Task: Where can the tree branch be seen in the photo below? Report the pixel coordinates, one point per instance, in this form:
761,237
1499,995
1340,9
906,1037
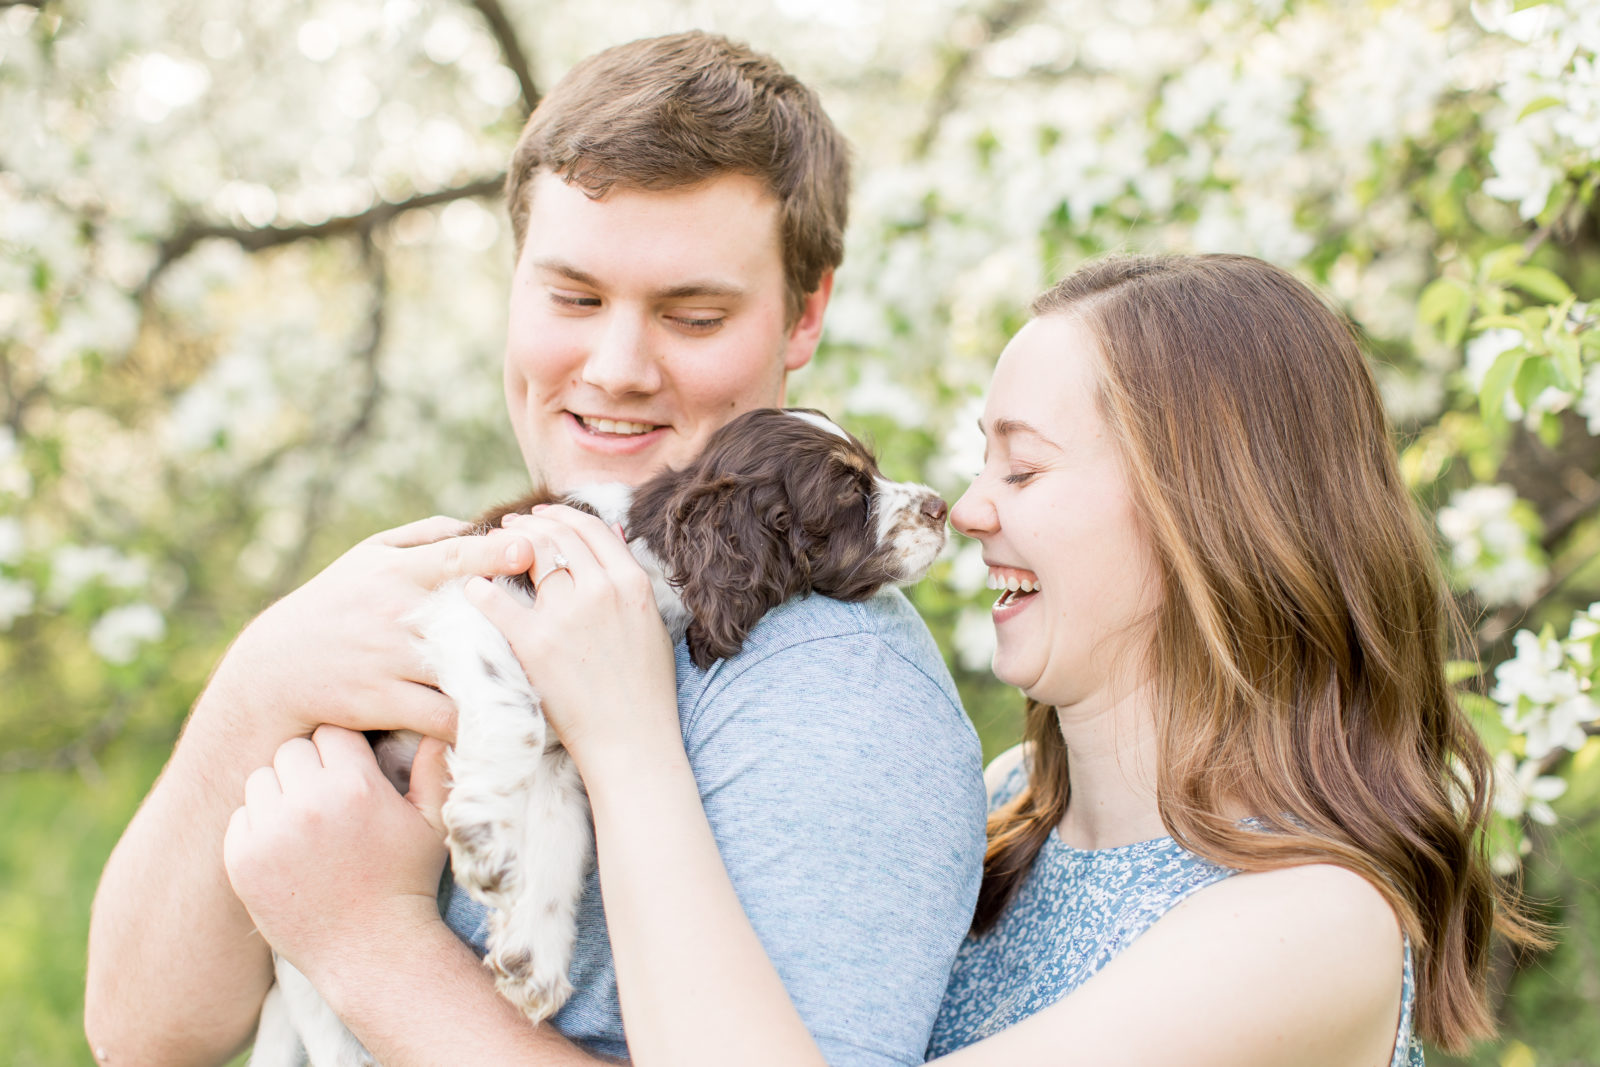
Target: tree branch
1493,630
996,22
258,238
322,487
516,59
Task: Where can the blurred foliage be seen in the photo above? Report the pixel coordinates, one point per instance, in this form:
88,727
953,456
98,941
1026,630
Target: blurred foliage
252,279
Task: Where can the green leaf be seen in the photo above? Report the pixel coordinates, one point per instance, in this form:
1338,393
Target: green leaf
1534,376
1446,303
1500,264
1492,394
1540,283
1565,356
1497,322
1549,429
1459,670
1538,105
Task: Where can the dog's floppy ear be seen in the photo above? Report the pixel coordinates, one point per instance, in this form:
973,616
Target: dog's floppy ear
726,565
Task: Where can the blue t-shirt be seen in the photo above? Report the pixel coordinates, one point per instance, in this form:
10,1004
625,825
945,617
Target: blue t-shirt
843,784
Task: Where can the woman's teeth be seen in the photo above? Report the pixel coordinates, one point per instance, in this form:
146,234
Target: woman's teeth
1013,583
614,426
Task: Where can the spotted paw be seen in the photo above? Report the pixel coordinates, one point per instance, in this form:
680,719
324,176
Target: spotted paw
480,857
538,992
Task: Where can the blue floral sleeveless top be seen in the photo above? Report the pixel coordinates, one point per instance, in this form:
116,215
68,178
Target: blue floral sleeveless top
1073,912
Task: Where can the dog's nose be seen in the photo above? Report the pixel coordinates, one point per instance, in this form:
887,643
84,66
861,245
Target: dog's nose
935,509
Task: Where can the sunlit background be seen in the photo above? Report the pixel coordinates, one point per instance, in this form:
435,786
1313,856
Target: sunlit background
253,268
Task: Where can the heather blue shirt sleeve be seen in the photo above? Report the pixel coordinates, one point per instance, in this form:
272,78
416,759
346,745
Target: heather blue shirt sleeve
843,784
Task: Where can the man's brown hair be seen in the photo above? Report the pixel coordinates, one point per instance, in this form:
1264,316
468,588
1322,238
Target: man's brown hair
668,112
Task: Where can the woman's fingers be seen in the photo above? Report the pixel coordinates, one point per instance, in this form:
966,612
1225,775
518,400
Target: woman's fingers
496,552
558,526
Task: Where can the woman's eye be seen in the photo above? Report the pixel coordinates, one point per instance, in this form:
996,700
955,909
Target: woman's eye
1019,477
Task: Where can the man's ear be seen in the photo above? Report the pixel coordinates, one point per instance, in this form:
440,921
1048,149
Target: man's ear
807,329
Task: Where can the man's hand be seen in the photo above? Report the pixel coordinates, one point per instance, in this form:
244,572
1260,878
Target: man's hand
176,973
341,648
328,858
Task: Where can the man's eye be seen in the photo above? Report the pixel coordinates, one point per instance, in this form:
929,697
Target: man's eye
573,300
697,322
1019,477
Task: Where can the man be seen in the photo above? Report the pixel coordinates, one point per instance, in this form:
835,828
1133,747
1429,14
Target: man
679,207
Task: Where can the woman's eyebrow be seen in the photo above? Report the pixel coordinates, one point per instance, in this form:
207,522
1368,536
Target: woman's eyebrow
1012,427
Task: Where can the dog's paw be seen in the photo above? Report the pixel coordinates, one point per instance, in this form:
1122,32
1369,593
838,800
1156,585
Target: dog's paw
481,856
538,991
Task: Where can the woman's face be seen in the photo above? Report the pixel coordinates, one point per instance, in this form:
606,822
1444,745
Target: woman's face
1053,511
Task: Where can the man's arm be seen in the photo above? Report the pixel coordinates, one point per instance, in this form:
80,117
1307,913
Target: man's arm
339,873
176,972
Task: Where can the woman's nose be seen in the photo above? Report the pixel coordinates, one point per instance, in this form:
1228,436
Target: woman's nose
973,514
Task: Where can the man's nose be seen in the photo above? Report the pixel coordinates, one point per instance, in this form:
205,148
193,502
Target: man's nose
621,360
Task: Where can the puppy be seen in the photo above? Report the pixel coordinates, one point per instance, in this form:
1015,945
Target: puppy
779,504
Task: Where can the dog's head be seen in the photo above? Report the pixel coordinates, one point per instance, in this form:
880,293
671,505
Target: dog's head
778,504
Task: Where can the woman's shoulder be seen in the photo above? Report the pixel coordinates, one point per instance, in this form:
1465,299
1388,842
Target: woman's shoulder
1006,775
1325,899
1315,919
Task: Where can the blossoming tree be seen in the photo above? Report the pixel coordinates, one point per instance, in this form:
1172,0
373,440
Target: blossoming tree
252,277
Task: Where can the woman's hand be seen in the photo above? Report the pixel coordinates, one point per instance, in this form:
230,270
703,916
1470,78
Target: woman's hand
340,649
593,643
328,859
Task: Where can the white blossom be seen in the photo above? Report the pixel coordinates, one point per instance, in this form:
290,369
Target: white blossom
1549,120
16,600
12,539
1543,696
1519,789
1589,401
974,639
74,566
1491,548
119,634
1484,349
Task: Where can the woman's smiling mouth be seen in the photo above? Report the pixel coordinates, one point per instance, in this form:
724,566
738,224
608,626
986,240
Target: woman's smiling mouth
1013,584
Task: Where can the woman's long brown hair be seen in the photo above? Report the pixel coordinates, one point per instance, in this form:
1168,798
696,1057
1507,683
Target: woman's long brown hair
1299,647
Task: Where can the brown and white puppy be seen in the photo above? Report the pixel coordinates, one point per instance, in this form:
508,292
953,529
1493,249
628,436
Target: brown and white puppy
779,504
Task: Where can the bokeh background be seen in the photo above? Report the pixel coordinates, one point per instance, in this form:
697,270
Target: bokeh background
253,265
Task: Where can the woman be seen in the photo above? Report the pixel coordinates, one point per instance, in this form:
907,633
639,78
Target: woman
1245,827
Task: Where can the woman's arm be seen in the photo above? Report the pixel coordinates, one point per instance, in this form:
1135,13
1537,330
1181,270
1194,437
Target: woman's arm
1300,965
695,984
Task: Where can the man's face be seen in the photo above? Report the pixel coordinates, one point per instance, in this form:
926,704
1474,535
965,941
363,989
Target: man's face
644,320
